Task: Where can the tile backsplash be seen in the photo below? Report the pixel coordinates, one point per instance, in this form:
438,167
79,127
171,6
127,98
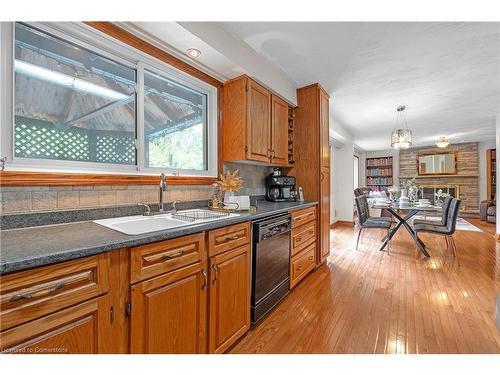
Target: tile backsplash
50,198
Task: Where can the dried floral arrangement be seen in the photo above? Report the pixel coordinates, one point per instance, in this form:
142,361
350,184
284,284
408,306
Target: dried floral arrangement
230,181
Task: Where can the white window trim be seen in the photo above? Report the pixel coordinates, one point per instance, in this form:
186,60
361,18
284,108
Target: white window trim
96,41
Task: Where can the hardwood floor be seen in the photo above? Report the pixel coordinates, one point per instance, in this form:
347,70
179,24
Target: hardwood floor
368,301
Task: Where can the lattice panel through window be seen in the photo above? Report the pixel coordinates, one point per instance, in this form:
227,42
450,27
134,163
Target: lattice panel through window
115,150
46,142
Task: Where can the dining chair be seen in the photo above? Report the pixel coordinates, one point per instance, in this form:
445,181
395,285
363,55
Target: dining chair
446,230
365,221
444,215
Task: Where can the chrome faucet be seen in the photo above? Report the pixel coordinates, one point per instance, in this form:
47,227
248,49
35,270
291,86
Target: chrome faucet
163,188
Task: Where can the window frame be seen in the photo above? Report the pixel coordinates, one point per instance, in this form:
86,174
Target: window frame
98,42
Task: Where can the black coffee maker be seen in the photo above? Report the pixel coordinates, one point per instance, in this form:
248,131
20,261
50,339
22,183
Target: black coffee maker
280,188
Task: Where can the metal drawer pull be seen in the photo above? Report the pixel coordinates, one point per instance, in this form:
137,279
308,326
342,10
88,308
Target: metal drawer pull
204,279
311,257
38,293
171,256
214,267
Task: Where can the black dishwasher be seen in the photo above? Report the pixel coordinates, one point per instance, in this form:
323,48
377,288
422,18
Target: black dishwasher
270,264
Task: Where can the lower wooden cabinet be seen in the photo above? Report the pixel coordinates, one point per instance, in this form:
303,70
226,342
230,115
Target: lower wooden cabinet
324,222
100,304
229,313
169,312
80,329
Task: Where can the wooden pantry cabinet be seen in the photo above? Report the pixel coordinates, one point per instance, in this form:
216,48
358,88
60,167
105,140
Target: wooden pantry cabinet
312,164
255,123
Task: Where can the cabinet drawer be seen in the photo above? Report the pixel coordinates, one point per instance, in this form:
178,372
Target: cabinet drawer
31,294
79,329
302,264
227,238
301,217
303,236
156,258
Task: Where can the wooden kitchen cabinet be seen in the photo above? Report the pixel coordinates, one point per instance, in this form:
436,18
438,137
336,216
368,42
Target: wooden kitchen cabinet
312,168
80,329
229,298
255,123
31,294
324,128
304,242
169,312
324,226
279,131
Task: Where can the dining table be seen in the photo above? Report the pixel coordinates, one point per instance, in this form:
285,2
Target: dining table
403,214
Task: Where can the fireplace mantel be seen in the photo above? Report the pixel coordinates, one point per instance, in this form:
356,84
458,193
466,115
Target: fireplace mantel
438,176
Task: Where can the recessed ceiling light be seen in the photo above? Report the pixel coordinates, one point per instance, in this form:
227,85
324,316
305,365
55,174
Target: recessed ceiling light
193,52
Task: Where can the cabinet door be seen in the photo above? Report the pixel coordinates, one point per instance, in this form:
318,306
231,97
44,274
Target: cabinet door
229,298
279,131
169,312
80,329
324,214
258,123
324,128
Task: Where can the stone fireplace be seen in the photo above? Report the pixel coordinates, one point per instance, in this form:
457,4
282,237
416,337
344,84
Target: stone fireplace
437,193
463,185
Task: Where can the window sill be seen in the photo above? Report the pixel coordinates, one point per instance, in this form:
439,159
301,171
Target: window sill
24,178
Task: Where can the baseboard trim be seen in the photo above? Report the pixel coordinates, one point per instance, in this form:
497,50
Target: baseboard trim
342,223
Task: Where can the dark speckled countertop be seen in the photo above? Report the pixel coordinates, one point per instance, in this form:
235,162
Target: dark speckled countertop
38,246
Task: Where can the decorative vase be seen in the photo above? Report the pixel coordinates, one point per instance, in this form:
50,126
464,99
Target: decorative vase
227,196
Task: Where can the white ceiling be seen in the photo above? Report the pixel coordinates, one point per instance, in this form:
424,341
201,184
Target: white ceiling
447,74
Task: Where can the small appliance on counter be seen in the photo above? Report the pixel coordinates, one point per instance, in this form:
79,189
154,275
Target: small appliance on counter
280,188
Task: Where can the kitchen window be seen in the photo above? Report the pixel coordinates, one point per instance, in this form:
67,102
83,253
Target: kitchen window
83,102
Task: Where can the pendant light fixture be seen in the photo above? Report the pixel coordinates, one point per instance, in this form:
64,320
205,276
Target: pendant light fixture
401,137
442,142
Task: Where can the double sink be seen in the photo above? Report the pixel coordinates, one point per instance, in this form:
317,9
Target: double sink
134,225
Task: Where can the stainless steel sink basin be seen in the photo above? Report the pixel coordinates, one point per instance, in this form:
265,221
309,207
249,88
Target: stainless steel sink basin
139,224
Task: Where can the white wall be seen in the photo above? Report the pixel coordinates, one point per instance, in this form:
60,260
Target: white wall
342,182
244,57
482,147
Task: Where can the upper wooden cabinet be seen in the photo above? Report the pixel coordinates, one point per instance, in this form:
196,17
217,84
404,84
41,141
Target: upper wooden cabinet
255,123
324,127
279,131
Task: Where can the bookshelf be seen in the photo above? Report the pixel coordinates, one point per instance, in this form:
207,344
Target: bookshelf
491,173
379,173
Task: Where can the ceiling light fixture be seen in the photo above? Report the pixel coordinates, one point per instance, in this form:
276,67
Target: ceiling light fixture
442,142
193,52
401,137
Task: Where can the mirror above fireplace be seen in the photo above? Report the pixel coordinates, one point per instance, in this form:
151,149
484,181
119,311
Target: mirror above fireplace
437,164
